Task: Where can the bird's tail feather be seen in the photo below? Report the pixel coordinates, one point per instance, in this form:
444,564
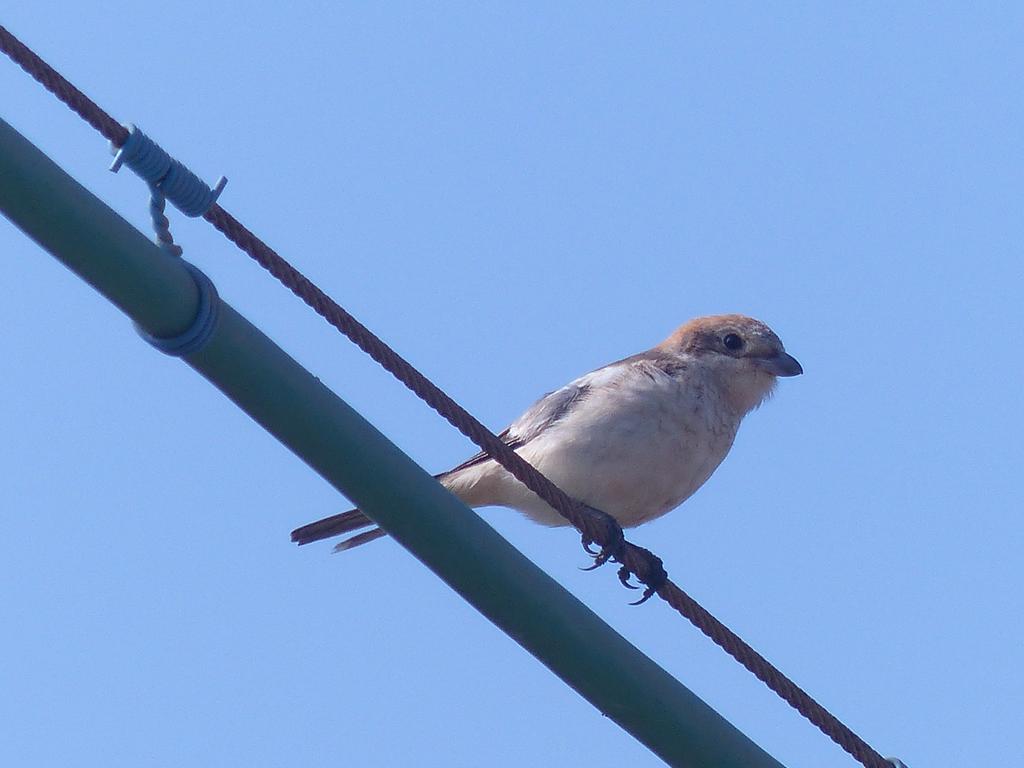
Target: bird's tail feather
335,525
346,522
360,538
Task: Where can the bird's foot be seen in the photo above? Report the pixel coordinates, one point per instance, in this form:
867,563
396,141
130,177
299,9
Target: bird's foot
646,567
602,529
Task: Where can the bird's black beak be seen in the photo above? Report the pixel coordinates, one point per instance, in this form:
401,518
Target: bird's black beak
781,365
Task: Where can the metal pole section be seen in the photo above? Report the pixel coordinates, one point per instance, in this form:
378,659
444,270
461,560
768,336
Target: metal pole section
155,290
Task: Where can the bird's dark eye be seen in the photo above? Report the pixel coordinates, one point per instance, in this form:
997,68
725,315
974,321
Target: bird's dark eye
732,342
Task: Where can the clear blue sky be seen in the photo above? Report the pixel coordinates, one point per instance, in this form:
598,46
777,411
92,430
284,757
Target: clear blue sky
512,196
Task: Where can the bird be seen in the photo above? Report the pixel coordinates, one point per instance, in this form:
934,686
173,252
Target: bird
633,439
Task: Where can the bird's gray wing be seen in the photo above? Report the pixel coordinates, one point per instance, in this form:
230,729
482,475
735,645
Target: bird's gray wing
555,406
550,409
537,418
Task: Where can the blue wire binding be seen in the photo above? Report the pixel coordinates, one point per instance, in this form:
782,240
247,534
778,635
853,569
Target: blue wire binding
161,225
186,191
168,179
202,328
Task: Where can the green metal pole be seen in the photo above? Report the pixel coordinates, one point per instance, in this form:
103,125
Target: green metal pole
155,290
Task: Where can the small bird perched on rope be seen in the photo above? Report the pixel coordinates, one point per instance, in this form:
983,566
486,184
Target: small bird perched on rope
633,439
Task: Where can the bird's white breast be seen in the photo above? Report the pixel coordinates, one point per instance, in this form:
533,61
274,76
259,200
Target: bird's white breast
639,445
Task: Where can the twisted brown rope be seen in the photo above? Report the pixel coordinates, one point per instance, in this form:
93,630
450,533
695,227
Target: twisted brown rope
635,560
54,82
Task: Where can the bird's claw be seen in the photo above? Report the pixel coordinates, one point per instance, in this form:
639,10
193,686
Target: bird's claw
600,558
607,533
645,566
650,572
647,595
624,574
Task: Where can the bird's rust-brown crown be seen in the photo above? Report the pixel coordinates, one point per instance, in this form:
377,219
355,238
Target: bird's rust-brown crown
706,333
